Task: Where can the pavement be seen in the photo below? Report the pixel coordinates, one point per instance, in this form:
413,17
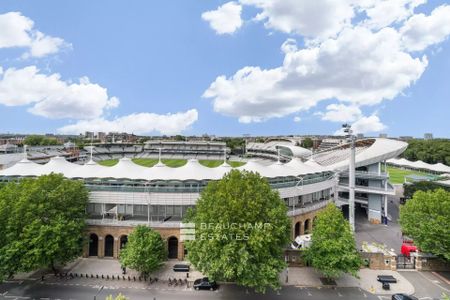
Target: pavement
111,267
389,235
367,281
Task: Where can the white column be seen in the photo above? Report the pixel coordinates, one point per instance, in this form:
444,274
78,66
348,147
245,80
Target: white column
385,206
351,186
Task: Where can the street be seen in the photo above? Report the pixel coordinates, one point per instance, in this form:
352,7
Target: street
84,291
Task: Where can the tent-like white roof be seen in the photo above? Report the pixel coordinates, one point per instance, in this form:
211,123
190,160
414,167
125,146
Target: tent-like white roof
58,164
125,168
24,167
439,167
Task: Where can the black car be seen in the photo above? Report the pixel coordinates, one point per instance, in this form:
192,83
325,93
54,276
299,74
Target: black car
403,297
205,284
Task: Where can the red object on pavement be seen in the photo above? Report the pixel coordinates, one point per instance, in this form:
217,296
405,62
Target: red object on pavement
407,248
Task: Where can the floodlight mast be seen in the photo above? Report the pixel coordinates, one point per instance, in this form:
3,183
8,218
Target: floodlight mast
351,176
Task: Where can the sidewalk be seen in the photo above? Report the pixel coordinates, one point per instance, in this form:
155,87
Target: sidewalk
309,277
111,267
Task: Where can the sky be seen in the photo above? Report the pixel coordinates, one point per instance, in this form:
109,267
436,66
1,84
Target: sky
258,67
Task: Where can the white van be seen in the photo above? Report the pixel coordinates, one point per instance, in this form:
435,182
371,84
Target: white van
301,242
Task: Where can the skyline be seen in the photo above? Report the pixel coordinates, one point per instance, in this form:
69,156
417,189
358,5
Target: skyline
225,68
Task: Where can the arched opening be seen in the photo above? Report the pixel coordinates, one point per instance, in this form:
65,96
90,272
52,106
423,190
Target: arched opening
173,247
109,246
123,241
307,226
297,229
93,244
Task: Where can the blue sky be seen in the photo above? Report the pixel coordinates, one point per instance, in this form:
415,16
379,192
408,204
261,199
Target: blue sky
157,60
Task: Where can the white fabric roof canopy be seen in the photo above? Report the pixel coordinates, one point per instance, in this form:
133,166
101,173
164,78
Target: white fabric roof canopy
439,167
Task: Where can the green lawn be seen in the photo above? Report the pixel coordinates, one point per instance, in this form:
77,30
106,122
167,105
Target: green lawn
173,163
397,175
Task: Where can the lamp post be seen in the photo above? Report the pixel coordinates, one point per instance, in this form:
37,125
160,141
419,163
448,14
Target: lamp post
351,175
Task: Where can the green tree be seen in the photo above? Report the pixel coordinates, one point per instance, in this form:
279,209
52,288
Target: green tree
410,188
426,219
118,297
307,143
430,151
241,230
333,249
145,250
42,223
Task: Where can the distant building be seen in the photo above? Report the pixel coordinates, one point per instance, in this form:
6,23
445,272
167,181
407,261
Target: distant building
428,136
101,136
383,135
360,136
89,135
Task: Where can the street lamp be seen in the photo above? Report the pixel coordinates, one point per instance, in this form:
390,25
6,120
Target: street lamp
351,175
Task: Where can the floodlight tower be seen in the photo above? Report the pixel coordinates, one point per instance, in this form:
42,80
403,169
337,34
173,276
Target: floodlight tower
351,175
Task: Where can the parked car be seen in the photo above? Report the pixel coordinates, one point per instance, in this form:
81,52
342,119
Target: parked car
181,268
403,297
301,242
205,284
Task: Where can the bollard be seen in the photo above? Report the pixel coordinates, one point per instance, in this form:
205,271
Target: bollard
134,278
76,274
123,277
87,275
96,276
92,276
139,278
81,275
107,277
103,277
129,278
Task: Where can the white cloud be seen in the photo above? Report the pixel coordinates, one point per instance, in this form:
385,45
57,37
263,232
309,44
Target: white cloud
18,31
341,113
421,31
52,97
313,19
139,123
382,13
365,124
297,119
226,19
360,67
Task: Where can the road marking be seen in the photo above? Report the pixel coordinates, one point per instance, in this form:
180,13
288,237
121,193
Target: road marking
432,281
309,293
364,294
339,294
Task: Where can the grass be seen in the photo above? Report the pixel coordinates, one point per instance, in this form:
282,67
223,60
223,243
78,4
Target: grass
173,163
397,175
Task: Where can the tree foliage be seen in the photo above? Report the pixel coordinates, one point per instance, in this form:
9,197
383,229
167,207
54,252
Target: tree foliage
307,143
241,230
118,297
40,140
333,248
42,223
430,151
145,250
410,188
426,219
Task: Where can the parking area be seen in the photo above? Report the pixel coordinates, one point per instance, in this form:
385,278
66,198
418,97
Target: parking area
389,235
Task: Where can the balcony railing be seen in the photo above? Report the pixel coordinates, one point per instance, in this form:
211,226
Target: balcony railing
309,208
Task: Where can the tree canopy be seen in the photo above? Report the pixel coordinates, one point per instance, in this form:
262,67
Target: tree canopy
410,188
307,143
42,223
241,228
429,151
40,140
426,219
333,248
145,250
